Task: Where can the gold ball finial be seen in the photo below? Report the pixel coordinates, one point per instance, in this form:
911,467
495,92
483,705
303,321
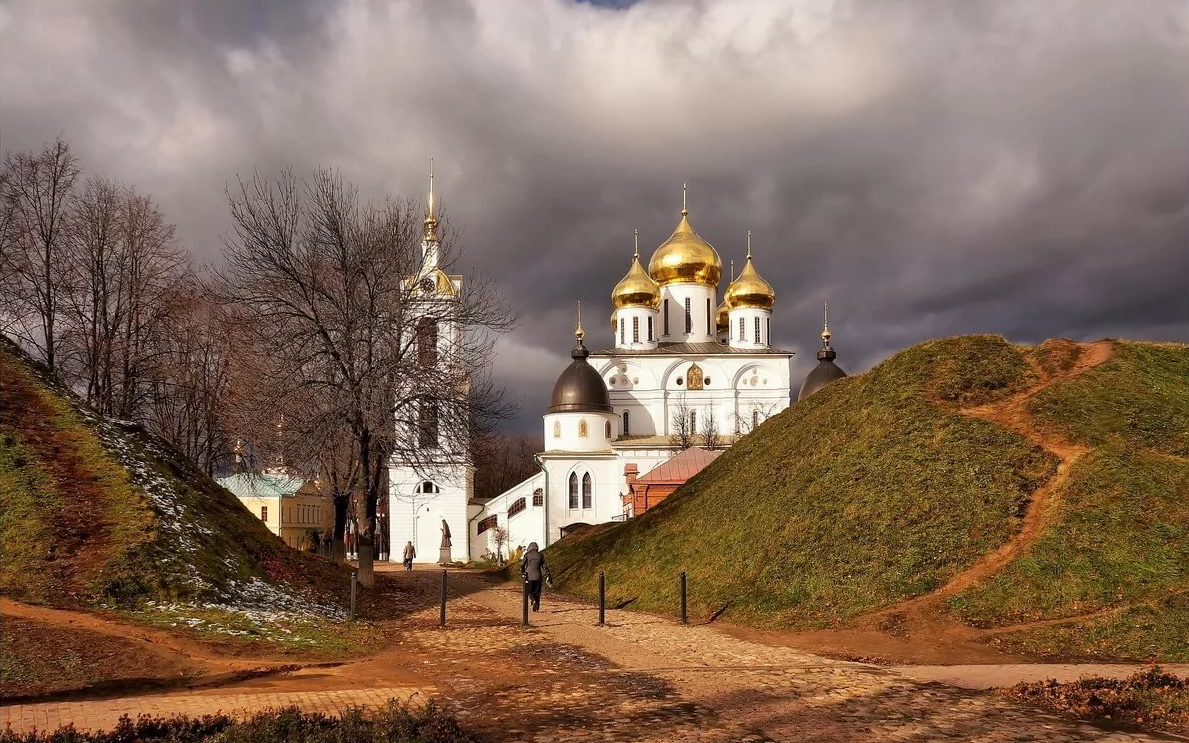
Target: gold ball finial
826,334
579,333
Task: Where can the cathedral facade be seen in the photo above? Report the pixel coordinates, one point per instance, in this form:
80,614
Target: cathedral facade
681,367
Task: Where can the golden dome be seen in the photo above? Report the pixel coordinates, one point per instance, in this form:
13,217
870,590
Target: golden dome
685,258
750,290
636,289
722,318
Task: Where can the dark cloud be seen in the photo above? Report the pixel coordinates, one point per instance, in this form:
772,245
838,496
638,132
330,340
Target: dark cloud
990,166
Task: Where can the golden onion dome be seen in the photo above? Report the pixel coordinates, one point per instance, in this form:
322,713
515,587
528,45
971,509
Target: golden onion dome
750,289
722,321
636,289
685,258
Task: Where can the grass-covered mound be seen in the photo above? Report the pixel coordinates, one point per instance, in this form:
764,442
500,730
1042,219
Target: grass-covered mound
872,490
1139,397
95,513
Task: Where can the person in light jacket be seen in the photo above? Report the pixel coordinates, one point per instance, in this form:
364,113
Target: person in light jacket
410,553
532,570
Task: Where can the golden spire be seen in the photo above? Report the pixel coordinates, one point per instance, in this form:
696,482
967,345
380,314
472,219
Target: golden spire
732,269
749,245
826,334
431,217
684,209
636,252
579,333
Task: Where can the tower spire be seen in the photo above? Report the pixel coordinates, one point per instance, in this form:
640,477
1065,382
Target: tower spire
579,333
684,208
826,334
732,269
749,245
431,217
636,252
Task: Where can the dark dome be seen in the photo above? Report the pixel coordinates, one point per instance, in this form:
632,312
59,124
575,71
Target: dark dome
580,389
825,372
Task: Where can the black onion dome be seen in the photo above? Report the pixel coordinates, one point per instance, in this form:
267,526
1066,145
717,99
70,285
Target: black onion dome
825,372
580,389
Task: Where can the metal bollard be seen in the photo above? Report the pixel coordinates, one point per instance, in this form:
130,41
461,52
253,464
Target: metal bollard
442,603
524,607
354,581
602,599
684,614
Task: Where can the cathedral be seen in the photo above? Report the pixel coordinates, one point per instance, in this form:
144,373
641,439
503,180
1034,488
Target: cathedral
680,369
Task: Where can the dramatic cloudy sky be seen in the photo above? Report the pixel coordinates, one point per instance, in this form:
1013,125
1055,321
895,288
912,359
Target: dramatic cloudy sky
929,168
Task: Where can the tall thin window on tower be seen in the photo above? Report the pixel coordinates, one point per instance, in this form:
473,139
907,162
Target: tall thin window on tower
622,333
650,328
666,327
709,319
742,330
756,332
626,421
427,341
693,422
689,318
768,331
635,329
573,499
428,425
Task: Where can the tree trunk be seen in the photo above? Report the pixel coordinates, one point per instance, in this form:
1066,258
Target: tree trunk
338,544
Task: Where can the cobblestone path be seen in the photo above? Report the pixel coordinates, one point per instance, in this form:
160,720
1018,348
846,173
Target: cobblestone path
641,678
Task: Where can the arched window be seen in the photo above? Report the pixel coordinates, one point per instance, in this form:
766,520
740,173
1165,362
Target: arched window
693,421
586,495
582,430
573,490
755,418
607,429
626,420
425,486
427,341
556,430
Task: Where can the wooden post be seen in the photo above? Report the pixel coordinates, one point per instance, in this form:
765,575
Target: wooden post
354,581
602,599
684,613
442,603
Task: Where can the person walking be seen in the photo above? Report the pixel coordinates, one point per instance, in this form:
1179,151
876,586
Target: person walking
532,570
410,553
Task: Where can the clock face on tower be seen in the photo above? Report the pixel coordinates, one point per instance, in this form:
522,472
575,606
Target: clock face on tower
427,285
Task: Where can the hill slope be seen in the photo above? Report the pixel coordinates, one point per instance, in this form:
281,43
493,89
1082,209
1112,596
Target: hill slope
97,514
932,480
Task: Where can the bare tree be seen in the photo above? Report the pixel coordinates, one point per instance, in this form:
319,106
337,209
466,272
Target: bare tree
681,427
711,436
502,461
36,190
500,535
335,294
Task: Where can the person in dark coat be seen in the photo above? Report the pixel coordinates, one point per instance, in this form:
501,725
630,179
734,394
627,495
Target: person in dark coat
533,569
410,553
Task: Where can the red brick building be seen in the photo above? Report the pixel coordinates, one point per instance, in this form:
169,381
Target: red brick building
645,492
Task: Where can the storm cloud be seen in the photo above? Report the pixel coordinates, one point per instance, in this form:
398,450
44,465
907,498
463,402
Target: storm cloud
928,168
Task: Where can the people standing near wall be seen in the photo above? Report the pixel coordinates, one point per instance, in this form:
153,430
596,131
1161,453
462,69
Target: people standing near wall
532,570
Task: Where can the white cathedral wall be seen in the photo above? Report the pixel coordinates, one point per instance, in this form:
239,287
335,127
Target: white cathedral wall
632,323
607,486
417,517
526,526
563,431
747,339
701,319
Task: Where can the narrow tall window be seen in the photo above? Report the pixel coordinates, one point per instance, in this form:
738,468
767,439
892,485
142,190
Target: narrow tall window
742,330
622,333
264,513
427,341
607,430
556,430
626,421
428,428
666,329
709,319
573,502
755,419
635,329
582,430
586,494
768,331
650,328
756,330
689,318
693,422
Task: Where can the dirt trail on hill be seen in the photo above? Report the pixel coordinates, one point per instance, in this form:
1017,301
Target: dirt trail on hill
894,631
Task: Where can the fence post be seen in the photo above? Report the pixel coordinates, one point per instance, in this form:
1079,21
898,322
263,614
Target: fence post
602,599
354,580
524,605
442,603
684,613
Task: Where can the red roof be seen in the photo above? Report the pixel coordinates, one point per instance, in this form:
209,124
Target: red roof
680,468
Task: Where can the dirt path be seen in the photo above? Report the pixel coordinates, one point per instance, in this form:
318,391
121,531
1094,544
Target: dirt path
641,678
